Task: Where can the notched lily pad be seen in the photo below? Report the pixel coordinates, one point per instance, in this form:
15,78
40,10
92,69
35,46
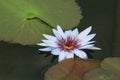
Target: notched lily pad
23,21
71,69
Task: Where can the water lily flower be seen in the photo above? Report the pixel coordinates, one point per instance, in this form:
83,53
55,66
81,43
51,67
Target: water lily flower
68,43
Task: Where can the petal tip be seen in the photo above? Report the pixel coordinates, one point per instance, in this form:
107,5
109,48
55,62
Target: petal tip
59,27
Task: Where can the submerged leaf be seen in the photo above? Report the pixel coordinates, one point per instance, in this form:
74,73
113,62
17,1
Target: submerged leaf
101,74
111,63
71,69
23,21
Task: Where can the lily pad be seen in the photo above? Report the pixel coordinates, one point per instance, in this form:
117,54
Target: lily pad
71,69
23,21
101,74
111,63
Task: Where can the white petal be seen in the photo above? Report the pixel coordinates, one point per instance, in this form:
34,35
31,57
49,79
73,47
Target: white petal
75,32
50,43
57,34
62,56
94,48
46,49
86,46
49,37
56,51
68,33
88,38
85,32
69,55
81,54
42,44
86,43
61,31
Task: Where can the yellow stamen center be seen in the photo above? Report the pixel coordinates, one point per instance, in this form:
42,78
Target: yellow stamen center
68,45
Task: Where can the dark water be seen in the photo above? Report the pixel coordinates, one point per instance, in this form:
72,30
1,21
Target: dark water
19,62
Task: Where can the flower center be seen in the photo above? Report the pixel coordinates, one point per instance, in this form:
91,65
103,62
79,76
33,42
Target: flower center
68,45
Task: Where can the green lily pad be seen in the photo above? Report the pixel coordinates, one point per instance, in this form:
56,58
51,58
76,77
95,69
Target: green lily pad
101,74
24,21
111,63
